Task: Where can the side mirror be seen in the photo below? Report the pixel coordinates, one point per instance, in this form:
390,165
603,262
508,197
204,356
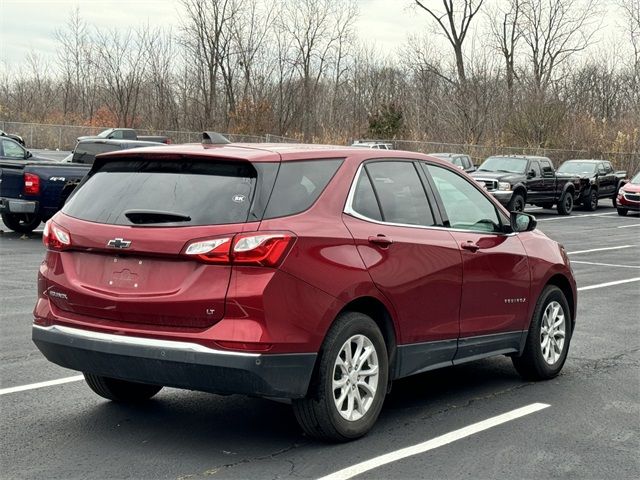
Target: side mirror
28,154
531,173
523,222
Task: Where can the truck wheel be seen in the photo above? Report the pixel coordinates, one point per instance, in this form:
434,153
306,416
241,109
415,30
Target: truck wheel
622,212
120,390
516,204
548,338
21,222
565,205
349,384
591,202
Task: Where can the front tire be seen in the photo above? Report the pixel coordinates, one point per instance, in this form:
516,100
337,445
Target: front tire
21,222
120,390
516,204
349,384
591,202
548,338
565,205
622,212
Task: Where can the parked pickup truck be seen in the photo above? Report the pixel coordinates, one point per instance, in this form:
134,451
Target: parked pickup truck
597,179
127,134
33,189
517,180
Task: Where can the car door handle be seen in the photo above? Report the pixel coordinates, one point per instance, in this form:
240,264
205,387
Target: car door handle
380,240
470,245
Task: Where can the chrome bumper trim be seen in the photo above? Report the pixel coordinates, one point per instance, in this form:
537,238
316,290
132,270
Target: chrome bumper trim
141,341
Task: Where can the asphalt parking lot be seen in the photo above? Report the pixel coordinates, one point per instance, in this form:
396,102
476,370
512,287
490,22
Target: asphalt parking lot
583,424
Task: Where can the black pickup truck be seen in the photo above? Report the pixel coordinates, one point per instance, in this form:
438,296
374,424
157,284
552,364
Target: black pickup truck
127,134
33,189
597,180
517,180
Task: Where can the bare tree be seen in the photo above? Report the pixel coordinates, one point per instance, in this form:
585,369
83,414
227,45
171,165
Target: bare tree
554,31
631,10
318,28
454,23
122,64
506,32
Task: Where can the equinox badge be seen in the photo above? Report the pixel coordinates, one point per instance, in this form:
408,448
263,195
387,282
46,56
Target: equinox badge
119,243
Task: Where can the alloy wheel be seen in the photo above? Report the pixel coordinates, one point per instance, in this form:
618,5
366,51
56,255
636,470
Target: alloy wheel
355,377
552,333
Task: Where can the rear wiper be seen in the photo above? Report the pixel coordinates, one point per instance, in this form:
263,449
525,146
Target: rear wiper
141,217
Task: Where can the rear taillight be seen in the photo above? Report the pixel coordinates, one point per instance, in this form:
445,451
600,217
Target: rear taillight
31,184
264,249
55,237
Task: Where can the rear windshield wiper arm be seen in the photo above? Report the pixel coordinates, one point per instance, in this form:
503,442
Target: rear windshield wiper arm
140,217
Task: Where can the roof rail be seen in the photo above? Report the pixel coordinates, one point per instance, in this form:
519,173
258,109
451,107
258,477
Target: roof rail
214,138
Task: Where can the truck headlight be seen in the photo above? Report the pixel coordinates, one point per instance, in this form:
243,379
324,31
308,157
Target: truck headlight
505,186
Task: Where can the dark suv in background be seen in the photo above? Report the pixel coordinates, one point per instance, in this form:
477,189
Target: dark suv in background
314,273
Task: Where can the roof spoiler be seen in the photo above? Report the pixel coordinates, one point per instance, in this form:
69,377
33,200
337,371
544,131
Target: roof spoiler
214,138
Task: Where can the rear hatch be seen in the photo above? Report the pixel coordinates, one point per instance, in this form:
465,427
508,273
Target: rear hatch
130,225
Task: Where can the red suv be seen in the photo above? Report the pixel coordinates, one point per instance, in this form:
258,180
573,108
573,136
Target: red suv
313,273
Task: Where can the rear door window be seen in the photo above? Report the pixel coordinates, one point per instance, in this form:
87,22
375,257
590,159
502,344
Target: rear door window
185,193
298,186
400,192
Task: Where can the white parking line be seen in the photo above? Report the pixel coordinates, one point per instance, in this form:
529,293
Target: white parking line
445,439
33,386
629,226
609,284
601,249
568,217
604,264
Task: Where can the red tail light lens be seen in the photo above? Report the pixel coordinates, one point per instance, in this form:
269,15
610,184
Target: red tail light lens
55,237
266,249
31,184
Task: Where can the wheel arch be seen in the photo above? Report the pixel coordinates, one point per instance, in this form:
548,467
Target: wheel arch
564,285
380,314
520,189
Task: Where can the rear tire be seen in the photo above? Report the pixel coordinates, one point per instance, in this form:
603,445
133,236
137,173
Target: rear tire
120,390
21,222
591,202
352,350
622,212
516,204
548,338
565,205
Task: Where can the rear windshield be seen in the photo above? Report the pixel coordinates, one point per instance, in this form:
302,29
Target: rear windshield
86,152
168,193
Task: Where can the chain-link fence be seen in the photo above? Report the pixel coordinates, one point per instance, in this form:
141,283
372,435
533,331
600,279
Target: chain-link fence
63,137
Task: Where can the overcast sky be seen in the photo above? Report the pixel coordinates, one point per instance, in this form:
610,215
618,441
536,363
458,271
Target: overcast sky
27,25
30,24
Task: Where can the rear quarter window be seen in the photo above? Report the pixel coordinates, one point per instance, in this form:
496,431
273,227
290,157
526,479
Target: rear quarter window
298,186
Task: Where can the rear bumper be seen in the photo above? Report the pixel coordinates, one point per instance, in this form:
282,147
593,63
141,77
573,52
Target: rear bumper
176,364
12,205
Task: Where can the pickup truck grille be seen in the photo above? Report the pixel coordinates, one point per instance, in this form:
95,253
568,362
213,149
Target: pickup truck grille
489,183
634,197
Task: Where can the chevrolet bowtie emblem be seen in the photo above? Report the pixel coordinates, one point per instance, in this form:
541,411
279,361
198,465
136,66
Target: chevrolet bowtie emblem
119,243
